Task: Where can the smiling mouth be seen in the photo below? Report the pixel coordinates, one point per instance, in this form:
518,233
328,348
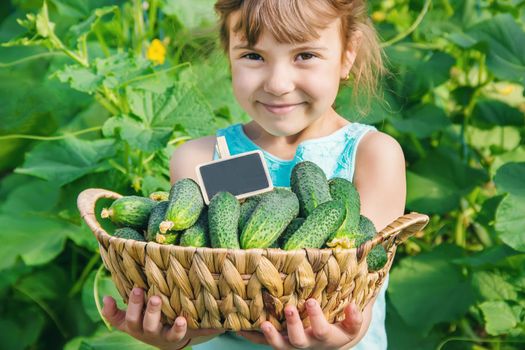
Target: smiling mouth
280,109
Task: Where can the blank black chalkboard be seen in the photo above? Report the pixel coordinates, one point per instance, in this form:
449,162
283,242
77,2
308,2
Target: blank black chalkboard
242,175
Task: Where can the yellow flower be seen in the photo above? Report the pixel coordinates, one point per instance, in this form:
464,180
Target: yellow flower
506,90
156,52
378,16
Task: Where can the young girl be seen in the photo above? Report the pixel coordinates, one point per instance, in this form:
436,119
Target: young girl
287,60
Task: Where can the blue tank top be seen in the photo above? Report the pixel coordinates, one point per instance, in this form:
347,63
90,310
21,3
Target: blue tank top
335,154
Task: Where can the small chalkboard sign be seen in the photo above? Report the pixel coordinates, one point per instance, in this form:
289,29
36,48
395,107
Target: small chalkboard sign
243,175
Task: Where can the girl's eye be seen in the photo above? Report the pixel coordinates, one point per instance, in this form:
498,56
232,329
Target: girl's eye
252,56
306,55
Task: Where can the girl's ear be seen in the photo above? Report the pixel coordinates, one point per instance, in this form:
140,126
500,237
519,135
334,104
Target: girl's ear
350,53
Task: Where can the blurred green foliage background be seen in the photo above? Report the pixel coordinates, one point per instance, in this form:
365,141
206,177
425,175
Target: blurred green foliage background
98,94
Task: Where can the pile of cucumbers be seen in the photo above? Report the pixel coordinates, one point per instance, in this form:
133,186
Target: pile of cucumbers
313,213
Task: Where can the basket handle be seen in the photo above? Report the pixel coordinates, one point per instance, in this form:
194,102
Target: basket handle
400,229
86,205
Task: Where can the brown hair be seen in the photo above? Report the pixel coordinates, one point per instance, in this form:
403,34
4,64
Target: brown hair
296,21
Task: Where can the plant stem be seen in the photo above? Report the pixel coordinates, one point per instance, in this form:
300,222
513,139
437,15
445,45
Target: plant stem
30,58
46,309
96,295
152,16
49,138
413,27
138,17
84,275
102,41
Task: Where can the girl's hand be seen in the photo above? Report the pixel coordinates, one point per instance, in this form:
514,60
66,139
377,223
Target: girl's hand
320,334
146,326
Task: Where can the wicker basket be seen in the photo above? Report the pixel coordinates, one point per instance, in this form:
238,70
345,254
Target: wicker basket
238,289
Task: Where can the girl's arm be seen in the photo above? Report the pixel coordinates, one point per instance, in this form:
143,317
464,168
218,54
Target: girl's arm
380,180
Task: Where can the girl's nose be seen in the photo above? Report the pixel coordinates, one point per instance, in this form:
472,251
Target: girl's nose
279,80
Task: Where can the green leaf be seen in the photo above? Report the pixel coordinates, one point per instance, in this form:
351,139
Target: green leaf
510,222
436,183
509,215
427,289
509,178
154,183
20,330
403,337
488,113
109,72
504,40
158,114
40,31
72,8
492,286
517,155
422,121
107,340
488,257
80,78
427,74
63,161
213,79
37,240
499,138
149,138
106,286
192,14
498,316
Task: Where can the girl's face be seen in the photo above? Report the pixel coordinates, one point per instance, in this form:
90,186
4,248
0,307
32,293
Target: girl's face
287,87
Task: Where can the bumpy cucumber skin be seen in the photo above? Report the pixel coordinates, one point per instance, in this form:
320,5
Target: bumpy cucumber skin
247,209
197,235
366,229
269,219
223,220
185,204
343,190
155,218
308,181
129,233
290,230
131,211
315,230
377,257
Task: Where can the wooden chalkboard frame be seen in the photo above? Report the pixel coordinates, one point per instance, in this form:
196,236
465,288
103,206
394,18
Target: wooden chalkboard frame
224,156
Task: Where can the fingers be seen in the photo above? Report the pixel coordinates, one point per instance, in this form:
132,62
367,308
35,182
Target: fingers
273,337
151,324
353,320
296,335
134,314
112,314
320,328
177,332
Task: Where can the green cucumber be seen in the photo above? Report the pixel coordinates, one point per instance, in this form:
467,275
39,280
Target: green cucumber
128,233
269,219
290,230
155,218
315,230
129,211
309,183
185,206
343,190
197,235
223,220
